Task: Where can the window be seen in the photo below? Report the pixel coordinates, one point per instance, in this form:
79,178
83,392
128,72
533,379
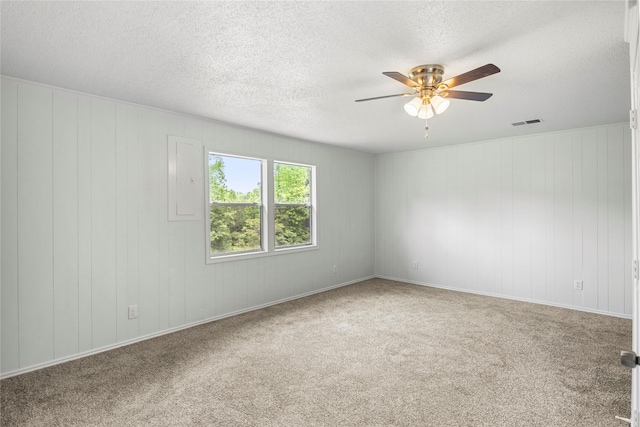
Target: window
255,213
235,204
292,195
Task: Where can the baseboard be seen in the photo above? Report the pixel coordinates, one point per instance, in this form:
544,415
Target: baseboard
172,330
490,294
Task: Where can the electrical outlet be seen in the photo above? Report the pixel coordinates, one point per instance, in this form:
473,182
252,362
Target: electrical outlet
133,312
415,265
577,285
335,269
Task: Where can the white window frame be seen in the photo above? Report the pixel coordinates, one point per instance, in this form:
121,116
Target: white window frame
261,206
310,205
268,211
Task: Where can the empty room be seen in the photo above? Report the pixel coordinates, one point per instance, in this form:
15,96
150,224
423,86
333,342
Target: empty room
319,213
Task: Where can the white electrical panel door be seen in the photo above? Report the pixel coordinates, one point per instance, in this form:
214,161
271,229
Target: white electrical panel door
185,196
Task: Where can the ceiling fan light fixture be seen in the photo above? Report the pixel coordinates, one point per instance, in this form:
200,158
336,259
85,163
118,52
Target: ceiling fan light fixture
413,107
426,111
440,104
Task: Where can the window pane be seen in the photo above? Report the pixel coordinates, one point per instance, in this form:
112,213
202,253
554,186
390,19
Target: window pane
234,179
292,225
235,228
291,183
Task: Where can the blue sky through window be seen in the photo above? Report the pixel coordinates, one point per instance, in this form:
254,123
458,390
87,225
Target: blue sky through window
243,175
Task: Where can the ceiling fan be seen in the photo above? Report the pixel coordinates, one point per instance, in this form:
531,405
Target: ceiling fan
431,92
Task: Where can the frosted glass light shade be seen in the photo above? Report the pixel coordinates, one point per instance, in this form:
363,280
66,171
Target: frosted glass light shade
425,112
412,107
440,104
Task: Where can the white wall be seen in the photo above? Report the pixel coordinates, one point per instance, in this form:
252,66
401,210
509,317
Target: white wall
519,218
85,230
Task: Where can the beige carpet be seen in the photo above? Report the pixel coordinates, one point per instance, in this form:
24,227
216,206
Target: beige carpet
377,353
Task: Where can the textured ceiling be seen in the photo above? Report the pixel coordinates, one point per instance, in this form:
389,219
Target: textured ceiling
295,68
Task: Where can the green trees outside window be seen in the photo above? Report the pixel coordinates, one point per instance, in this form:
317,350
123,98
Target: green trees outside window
292,188
236,194
235,215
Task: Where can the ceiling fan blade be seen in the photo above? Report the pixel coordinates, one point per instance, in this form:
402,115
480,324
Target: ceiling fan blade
386,96
470,96
401,78
478,73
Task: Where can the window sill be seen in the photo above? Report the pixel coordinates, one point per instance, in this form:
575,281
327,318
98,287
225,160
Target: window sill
260,254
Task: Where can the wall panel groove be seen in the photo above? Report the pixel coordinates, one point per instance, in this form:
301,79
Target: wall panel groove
9,310
35,225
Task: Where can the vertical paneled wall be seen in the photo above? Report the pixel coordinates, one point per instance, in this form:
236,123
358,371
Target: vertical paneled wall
85,231
520,218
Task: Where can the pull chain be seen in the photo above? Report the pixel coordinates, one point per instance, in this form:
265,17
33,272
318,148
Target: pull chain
426,128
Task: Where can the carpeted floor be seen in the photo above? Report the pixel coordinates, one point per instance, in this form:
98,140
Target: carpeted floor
377,353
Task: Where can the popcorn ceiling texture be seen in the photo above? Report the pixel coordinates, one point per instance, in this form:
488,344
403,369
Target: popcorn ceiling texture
295,68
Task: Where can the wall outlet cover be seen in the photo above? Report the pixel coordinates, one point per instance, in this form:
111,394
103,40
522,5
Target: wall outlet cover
133,312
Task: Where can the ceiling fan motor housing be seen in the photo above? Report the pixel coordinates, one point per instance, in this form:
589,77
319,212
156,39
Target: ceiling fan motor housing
428,76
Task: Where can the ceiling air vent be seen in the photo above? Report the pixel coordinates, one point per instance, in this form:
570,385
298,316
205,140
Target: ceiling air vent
527,122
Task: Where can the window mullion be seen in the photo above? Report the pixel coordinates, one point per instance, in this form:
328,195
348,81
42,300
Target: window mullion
313,205
269,206
302,205
233,204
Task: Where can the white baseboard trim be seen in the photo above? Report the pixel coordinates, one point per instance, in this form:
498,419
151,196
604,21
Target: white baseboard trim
490,294
171,330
